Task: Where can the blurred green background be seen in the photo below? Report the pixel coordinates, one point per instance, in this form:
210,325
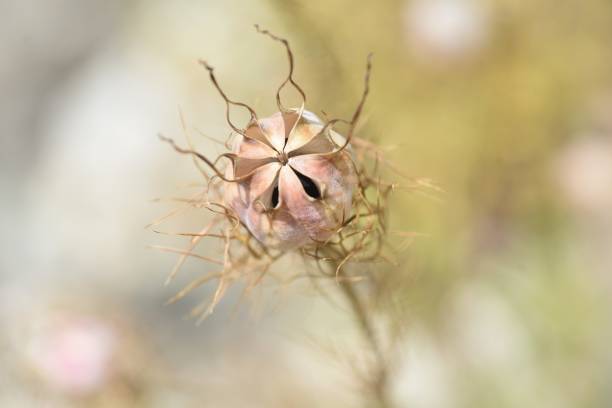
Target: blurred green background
506,105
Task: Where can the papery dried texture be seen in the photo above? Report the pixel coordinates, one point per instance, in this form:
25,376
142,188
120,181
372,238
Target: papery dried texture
296,189
290,184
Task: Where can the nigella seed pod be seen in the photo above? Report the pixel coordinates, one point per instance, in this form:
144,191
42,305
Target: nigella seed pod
291,177
296,186
288,182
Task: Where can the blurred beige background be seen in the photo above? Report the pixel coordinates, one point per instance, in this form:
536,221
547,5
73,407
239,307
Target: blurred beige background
506,105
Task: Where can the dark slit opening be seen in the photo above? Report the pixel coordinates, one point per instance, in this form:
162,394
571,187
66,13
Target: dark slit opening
310,186
275,197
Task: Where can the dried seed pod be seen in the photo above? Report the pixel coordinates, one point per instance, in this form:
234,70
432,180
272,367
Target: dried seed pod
290,182
295,185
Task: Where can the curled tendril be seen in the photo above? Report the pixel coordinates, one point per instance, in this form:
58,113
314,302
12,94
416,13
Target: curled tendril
209,163
356,114
253,119
289,78
228,101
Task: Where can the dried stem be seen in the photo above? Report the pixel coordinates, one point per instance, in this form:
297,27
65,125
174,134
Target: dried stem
379,381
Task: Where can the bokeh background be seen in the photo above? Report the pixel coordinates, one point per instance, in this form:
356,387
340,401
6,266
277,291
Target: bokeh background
506,293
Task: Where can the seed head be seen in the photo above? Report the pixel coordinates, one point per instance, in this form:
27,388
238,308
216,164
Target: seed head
295,187
290,182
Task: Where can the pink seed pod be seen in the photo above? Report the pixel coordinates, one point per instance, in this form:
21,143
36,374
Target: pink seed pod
291,178
291,182
296,185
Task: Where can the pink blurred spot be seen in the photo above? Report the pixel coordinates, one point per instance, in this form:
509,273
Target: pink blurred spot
75,355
